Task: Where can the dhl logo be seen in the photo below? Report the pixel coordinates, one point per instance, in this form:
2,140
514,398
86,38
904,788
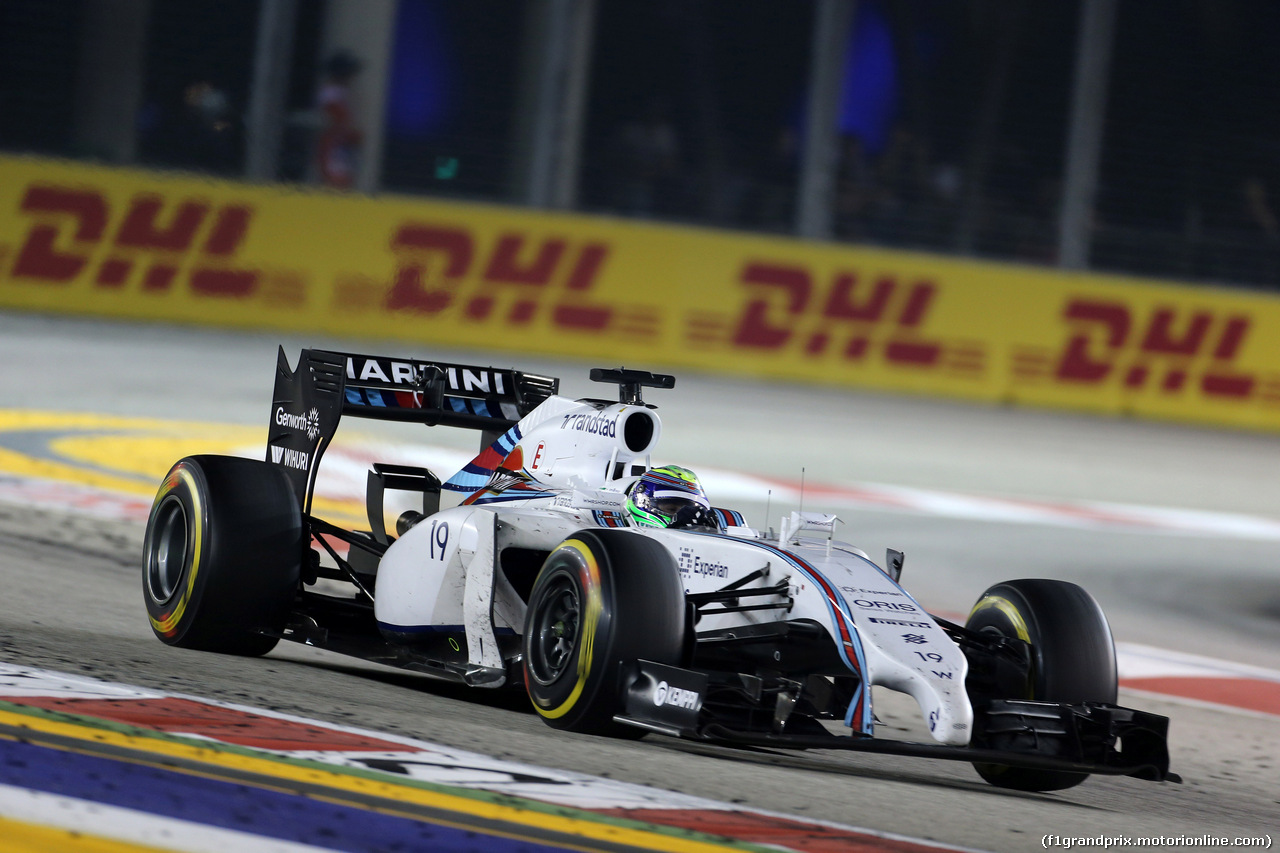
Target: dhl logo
75,235
1110,342
153,244
446,269
785,308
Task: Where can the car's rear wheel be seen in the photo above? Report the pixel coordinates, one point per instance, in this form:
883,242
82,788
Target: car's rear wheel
222,555
1073,658
602,598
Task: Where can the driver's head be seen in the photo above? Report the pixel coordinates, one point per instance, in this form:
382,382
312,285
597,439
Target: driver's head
672,497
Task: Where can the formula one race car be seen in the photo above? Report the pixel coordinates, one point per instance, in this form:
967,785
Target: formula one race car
613,592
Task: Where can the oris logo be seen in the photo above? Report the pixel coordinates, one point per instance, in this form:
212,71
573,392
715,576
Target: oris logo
666,695
869,604
308,423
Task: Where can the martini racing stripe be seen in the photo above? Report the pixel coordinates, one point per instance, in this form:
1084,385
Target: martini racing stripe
381,399
610,518
729,517
859,716
476,473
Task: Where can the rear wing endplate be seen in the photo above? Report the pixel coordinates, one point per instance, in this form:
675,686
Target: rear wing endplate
309,402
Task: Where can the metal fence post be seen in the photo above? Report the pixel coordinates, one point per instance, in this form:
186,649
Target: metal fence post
818,162
273,55
560,96
1084,133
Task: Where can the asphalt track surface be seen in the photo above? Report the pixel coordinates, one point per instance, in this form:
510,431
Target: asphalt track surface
72,602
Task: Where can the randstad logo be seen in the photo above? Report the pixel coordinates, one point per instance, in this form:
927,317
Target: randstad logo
592,424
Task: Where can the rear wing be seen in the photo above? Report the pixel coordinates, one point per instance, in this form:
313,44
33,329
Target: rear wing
309,402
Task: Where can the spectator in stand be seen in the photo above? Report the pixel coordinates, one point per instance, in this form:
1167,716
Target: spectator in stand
1258,210
338,150
196,128
773,201
855,190
902,189
1259,259
648,164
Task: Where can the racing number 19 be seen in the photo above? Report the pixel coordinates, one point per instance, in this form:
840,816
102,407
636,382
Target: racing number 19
439,538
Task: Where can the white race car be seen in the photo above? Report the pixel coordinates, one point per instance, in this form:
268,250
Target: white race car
613,592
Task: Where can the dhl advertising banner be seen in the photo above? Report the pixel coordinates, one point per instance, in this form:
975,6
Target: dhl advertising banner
83,239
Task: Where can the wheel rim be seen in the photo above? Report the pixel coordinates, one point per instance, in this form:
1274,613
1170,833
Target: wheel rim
555,630
167,554
1029,689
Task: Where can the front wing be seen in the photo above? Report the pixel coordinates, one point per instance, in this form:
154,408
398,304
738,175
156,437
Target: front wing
1090,737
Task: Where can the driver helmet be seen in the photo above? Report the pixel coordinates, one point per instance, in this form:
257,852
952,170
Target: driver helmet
670,497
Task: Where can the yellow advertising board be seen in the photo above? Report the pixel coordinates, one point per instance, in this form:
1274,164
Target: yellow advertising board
126,243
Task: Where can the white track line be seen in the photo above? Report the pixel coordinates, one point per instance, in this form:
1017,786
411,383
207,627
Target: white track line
1138,661
342,476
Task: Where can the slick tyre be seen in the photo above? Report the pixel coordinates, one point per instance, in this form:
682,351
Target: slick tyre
222,555
602,598
1073,658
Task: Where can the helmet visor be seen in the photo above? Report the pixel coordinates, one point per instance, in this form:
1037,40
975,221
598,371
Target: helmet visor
669,506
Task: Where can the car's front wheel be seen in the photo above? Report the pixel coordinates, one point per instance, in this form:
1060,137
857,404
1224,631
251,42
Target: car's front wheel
602,598
1073,658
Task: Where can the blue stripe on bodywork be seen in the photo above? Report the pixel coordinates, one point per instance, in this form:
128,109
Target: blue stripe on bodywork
467,481
610,518
729,517
512,495
861,696
474,476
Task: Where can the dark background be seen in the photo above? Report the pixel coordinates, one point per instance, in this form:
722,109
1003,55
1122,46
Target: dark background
954,121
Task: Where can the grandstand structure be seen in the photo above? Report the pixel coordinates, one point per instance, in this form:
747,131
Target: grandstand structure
1115,136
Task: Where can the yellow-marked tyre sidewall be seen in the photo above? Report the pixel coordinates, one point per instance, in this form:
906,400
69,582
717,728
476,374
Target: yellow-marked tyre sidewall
222,555
996,612
632,606
171,611
561,701
1072,658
